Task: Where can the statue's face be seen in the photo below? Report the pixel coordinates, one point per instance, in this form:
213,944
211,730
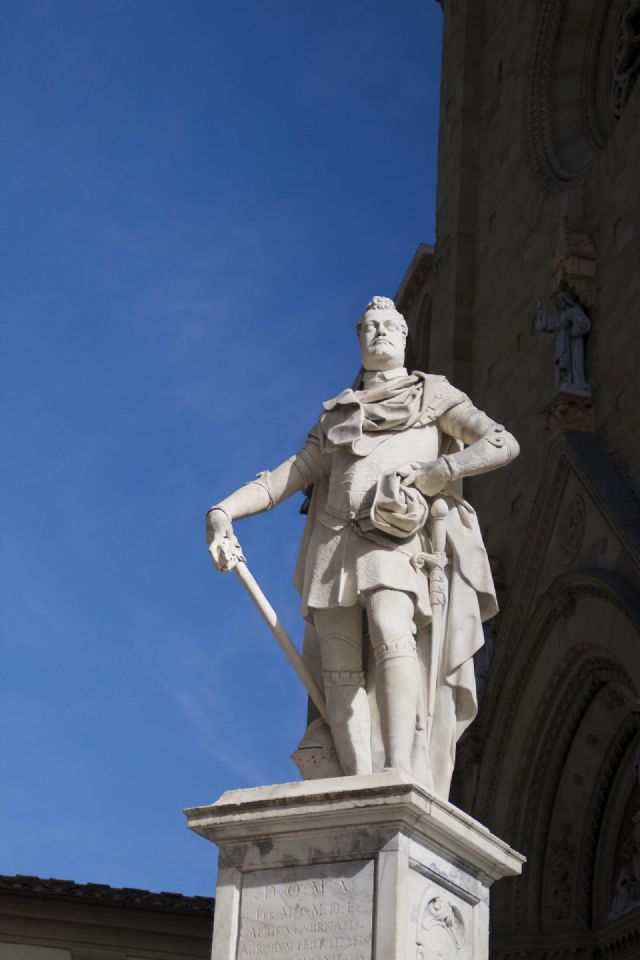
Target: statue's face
382,340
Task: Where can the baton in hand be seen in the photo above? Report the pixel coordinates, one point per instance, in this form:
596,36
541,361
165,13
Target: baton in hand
236,561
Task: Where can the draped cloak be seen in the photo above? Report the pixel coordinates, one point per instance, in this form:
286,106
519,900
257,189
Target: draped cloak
359,420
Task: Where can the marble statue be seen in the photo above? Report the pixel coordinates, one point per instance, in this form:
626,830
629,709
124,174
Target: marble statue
570,325
393,573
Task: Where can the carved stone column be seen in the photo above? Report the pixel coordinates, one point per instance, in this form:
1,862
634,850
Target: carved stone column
355,868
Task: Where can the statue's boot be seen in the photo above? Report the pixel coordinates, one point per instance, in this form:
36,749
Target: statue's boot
348,708
398,700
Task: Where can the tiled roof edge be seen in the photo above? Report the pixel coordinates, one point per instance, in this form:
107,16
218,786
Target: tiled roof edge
102,894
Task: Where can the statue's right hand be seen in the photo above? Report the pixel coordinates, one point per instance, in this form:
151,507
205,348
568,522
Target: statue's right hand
220,538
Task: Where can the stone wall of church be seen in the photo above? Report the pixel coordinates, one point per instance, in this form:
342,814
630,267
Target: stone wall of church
519,159
539,195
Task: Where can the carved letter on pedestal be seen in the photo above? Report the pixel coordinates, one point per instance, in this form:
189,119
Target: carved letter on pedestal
310,912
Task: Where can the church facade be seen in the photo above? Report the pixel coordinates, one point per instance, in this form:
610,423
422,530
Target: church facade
528,301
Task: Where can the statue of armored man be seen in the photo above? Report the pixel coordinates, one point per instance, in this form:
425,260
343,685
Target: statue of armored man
392,571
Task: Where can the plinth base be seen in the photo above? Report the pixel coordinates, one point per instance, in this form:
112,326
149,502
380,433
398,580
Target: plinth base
569,410
353,868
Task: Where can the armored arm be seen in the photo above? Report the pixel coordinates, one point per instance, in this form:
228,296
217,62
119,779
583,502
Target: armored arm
268,489
273,486
489,445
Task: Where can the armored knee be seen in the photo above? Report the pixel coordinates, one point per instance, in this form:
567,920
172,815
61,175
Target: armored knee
403,647
391,621
343,678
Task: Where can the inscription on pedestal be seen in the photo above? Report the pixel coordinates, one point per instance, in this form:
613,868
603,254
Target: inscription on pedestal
317,912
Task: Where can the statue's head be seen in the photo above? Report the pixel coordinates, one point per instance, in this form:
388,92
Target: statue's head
382,332
564,299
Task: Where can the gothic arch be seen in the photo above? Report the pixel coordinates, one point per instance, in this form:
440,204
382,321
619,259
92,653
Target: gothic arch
566,719
619,807
533,665
584,66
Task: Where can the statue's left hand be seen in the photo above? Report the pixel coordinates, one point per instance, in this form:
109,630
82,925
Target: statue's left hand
429,478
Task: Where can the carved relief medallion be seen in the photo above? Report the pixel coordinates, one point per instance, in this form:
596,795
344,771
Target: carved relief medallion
571,530
440,933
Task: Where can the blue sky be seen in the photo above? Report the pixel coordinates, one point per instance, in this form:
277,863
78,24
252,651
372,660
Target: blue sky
201,197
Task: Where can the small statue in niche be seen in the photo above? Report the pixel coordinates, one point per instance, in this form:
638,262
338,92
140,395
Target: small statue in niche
571,325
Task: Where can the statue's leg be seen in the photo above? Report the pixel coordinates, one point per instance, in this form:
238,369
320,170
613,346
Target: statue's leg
340,635
442,748
390,614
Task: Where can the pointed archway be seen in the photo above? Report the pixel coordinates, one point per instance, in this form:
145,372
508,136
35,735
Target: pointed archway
552,758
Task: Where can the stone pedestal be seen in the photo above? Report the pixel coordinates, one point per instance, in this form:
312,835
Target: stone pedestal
355,868
569,410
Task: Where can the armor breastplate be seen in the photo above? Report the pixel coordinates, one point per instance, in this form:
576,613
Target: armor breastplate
352,482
